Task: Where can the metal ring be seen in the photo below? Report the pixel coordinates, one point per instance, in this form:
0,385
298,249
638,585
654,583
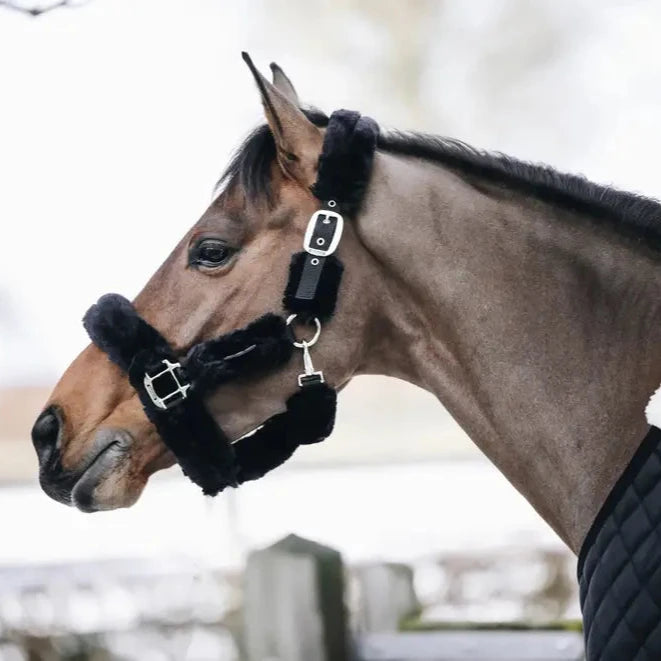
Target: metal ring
332,203
309,343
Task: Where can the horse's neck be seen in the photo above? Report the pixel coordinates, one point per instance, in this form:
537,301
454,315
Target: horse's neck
539,332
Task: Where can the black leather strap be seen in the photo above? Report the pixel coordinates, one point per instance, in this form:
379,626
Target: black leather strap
310,277
314,276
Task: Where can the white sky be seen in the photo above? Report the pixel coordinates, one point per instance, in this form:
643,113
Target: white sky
117,118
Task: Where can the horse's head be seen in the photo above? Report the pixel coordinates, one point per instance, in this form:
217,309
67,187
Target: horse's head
229,269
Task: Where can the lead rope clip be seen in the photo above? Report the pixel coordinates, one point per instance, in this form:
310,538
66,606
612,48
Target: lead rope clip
309,376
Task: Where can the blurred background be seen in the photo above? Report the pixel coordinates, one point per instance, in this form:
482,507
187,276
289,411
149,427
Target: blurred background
117,117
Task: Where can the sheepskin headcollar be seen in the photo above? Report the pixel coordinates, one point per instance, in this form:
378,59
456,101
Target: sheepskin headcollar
201,447
172,388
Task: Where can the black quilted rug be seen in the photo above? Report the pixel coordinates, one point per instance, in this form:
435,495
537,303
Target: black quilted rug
619,568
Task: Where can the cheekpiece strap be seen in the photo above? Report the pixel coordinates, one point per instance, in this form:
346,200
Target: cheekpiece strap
345,166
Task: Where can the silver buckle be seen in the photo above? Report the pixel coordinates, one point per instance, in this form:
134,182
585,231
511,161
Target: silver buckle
322,247
176,395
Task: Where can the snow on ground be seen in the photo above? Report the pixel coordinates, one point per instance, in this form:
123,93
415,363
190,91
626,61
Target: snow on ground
393,512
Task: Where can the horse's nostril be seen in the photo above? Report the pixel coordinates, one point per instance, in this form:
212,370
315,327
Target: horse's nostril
45,432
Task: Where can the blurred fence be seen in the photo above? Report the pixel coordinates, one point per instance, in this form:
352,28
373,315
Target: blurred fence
295,611
124,609
295,601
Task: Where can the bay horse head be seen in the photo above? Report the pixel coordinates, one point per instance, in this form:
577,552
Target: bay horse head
95,445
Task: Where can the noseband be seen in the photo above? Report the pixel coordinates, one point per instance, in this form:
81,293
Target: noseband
172,387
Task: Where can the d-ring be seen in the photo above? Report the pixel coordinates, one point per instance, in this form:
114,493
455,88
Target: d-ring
309,343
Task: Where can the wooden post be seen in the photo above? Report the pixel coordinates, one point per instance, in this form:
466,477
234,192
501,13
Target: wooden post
294,603
387,596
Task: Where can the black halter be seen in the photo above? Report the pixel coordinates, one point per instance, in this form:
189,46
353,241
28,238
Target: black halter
172,388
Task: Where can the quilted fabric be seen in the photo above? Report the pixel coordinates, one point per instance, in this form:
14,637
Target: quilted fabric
619,567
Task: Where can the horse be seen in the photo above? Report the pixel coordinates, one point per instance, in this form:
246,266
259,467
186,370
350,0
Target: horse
526,300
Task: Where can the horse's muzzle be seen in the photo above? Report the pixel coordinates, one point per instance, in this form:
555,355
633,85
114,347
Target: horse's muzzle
46,433
75,486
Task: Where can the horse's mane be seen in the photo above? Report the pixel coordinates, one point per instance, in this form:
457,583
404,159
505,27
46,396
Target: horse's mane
632,215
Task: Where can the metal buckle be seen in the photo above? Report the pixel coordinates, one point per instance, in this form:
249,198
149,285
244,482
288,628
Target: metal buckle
317,243
177,394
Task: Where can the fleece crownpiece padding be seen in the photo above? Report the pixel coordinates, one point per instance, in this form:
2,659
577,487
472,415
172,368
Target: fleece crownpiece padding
345,164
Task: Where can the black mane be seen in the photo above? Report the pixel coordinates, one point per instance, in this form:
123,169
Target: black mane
632,215
250,166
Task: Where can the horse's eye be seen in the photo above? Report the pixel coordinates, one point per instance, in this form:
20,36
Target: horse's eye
210,253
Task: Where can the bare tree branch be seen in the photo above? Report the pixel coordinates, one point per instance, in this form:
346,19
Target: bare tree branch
38,10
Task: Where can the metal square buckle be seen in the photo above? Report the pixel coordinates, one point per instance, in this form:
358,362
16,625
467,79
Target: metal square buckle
323,233
164,388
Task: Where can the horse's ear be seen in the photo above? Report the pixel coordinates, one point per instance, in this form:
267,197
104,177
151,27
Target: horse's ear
281,82
297,139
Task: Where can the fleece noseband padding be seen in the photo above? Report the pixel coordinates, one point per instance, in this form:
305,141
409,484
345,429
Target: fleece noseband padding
172,387
201,447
